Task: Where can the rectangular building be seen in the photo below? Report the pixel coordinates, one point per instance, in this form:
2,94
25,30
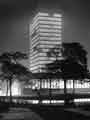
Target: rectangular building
45,33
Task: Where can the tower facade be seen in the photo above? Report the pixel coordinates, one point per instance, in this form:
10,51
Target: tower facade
45,33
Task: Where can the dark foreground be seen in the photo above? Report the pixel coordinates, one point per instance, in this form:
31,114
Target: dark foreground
43,112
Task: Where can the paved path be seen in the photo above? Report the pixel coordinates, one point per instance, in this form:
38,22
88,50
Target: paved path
79,111
47,113
19,114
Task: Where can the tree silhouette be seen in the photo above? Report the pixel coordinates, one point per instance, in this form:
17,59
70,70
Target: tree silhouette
13,56
54,52
73,64
76,52
10,68
76,56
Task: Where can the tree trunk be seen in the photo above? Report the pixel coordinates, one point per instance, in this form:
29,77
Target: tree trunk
39,94
50,94
65,92
73,90
73,87
7,89
10,85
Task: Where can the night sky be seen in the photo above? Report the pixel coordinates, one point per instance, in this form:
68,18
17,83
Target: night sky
15,15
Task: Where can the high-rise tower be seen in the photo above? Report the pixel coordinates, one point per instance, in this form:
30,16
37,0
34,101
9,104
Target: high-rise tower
45,33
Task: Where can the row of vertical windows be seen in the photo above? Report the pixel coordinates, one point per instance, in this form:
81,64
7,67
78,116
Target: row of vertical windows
43,58
82,100
57,15
46,32
50,22
50,18
50,42
40,14
47,46
41,63
49,30
36,45
46,15
51,26
50,34
38,65
48,27
35,60
35,42
47,19
34,55
43,16
33,37
39,58
46,41
50,38
35,28
42,52
36,68
45,23
41,47
36,38
60,84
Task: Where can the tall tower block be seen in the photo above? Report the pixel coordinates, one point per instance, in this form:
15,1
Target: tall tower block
45,33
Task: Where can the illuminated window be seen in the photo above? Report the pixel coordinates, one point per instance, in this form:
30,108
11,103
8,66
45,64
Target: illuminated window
43,36
50,22
35,28
82,100
35,18
50,34
61,84
51,26
43,54
35,101
51,18
46,86
57,15
50,38
49,30
47,19
34,54
57,101
16,89
43,14
36,25
50,42
46,46
35,39
46,101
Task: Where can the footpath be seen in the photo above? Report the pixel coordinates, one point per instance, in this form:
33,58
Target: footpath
19,114
78,113
36,112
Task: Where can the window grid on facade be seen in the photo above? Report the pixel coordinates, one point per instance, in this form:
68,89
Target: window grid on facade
45,32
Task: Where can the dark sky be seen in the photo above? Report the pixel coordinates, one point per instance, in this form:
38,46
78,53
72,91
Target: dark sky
15,16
